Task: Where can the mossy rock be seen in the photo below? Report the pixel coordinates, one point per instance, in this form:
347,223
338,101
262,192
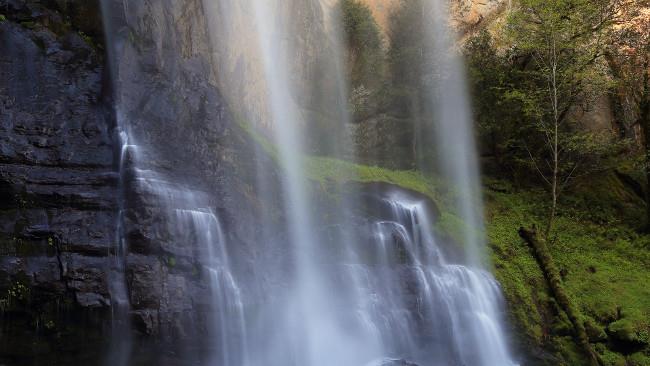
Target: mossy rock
610,358
595,331
568,350
629,332
639,359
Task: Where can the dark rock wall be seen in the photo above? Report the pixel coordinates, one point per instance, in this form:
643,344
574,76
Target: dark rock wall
59,159
57,176
168,101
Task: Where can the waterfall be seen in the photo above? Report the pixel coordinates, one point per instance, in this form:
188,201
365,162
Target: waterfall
120,345
367,287
317,333
431,310
453,129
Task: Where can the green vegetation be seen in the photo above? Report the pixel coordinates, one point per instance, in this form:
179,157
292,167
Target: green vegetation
17,293
406,59
364,43
2,18
582,286
585,289
364,58
603,262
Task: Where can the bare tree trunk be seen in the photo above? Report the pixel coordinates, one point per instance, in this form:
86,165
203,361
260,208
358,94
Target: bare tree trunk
644,120
555,143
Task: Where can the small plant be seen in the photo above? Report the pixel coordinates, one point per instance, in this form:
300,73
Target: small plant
49,324
2,18
18,292
88,39
171,262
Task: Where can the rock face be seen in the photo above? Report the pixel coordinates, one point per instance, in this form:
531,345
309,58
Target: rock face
466,14
57,176
188,155
241,71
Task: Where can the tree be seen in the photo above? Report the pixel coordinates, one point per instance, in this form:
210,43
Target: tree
629,58
364,43
562,41
406,58
365,57
502,111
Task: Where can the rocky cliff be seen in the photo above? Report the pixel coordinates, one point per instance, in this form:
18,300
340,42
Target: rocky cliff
57,174
60,113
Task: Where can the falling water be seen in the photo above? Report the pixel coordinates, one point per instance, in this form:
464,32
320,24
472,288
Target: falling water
453,129
121,339
180,211
394,290
316,332
121,336
429,309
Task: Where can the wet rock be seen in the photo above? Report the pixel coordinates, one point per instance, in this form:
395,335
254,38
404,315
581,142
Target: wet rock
58,185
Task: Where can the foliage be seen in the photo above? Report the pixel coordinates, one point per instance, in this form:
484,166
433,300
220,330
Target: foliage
365,57
530,96
364,43
503,111
16,293
406,58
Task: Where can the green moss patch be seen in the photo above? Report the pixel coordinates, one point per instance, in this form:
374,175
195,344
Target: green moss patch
604,262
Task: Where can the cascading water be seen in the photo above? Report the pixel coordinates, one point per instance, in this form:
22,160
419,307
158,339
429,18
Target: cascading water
203,227
316,332
429,309
372,290
121,336
175,212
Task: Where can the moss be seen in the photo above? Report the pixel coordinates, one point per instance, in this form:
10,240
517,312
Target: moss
566,348
631,330
29,24
452,226
2,18
604,262
171,261
88,39
639,359
18,293
610,358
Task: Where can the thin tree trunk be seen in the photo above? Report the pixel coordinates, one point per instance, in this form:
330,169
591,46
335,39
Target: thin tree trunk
555,143
645,125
